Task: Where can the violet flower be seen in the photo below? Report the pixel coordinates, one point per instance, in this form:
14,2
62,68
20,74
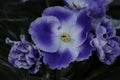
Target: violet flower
24,54
106,42
96,8
61,35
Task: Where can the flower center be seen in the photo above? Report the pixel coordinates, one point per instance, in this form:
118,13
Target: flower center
65,37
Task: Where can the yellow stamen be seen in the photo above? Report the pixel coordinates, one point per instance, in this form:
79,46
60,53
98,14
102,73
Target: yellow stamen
65,37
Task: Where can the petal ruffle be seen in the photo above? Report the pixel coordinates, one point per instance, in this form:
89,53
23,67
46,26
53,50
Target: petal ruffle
60,59
44,32
101,32
107,23
83,26
65,15
85,49
98,43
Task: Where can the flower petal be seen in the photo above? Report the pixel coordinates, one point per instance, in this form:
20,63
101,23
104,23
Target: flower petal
63,14
60,59
111,51
107,23
101,32
85,49
83,26
98,43
44,32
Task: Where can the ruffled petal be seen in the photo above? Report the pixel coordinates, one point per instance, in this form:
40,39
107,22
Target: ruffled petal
98,44
44,32
65,15
111,51
60,59
85,50
101,32
82,27
107,23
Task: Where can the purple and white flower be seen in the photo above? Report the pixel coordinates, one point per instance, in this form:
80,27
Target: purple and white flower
96,8
24,54
61,35
106,42
86,3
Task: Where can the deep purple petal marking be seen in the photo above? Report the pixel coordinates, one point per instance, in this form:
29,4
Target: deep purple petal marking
58,60
44,33
84,24
63,14
85,49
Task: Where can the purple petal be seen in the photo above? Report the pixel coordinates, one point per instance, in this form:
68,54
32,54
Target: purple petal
34,69
13,53
112,50
101,33
98,43
84,25
22,47
22,64
115,46
60,59
63,14
85,49
12,61
97,12
109,59
110,56
44,32
107,23
34,53
97,8
29,60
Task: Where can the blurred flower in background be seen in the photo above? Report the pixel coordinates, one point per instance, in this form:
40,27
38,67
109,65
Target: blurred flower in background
24,54
96,8
106,42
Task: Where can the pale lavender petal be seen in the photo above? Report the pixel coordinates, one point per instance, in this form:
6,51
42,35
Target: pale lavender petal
29,60
107,23
44,32
101,32
98,44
